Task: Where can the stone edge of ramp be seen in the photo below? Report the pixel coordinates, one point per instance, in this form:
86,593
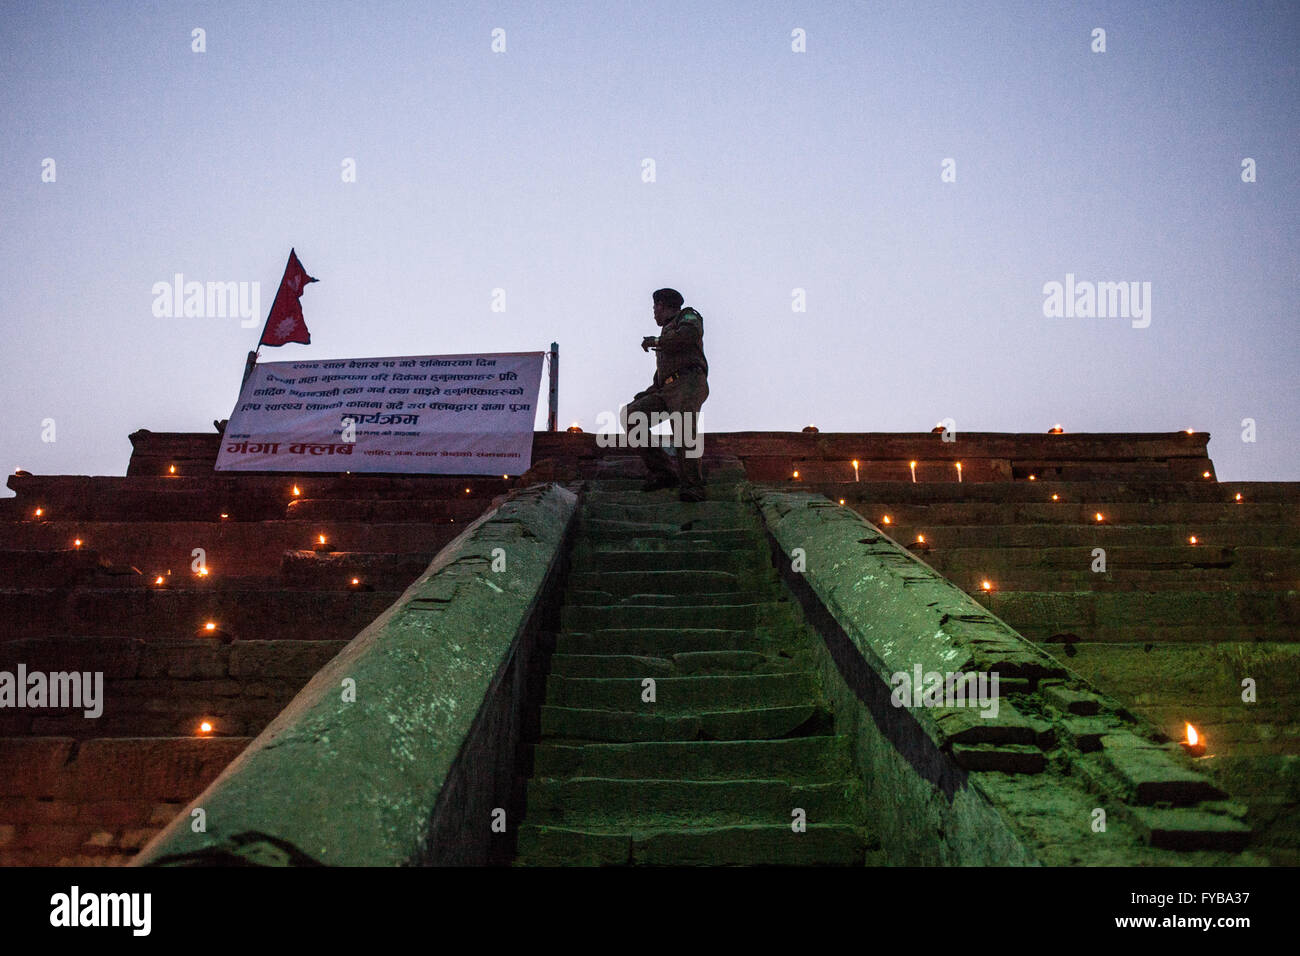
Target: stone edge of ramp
380,781
948,786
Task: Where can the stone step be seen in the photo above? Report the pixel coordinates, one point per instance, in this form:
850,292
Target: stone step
377,570
1052,637
1083,609
176,613
1114,581
750,845
683,695
1244,562
1047,512
728,560
676,665
760,723
802,758
612,802
669,512
671,581
730,532
726,616
1101,535
605,599
877,494
231,547
666,641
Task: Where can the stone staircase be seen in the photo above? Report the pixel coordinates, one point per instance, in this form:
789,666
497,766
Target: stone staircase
679,602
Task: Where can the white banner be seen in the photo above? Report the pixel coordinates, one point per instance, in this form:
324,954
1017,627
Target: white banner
431,414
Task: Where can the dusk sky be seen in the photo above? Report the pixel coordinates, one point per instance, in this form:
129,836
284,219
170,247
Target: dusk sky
773,171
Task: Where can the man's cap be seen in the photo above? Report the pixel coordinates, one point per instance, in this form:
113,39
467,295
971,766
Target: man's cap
669,297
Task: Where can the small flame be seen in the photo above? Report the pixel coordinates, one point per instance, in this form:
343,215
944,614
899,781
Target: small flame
41,511
920,539
320,538
205,727
1033,477
1238,498
1189,431
1099,516
296,492
171,469
1056,497
986,585
466,491
210,626
203,572
886,520
796,474
76,543
158,580
1193,738
841,501
1205,474
225,514
356,581
1192,539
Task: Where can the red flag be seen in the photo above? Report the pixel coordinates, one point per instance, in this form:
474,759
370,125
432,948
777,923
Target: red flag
285,323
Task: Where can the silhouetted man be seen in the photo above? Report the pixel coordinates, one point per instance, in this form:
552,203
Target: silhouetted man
679,389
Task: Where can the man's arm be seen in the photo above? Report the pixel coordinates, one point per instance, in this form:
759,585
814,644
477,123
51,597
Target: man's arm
684,333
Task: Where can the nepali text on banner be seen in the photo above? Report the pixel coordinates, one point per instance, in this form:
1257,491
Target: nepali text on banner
429,414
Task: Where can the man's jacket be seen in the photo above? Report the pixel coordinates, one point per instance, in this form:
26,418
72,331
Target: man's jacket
681,346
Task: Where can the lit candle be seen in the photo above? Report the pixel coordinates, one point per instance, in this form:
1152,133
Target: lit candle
920,539
205,727
171,469
986,585
912,466
1099,516
1195,743
41,511
296,492
1192,539
855,469
76,543
1205,474
1238,499
886,520
796,476
958,472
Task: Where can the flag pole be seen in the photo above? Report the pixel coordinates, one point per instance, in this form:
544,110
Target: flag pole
553,397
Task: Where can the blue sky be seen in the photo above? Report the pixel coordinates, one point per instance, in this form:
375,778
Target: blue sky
774,171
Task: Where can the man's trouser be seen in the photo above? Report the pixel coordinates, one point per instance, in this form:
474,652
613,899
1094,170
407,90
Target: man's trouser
683,393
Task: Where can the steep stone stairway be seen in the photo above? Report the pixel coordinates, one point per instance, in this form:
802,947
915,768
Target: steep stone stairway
683,723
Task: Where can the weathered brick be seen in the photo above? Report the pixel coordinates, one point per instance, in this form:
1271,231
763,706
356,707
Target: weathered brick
1150,775
34,766
1069,700
1190,829
1005,759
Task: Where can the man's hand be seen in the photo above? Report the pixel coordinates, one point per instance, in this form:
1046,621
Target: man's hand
649,342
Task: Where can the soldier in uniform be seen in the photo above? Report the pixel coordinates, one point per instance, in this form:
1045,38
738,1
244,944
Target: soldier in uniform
680,385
